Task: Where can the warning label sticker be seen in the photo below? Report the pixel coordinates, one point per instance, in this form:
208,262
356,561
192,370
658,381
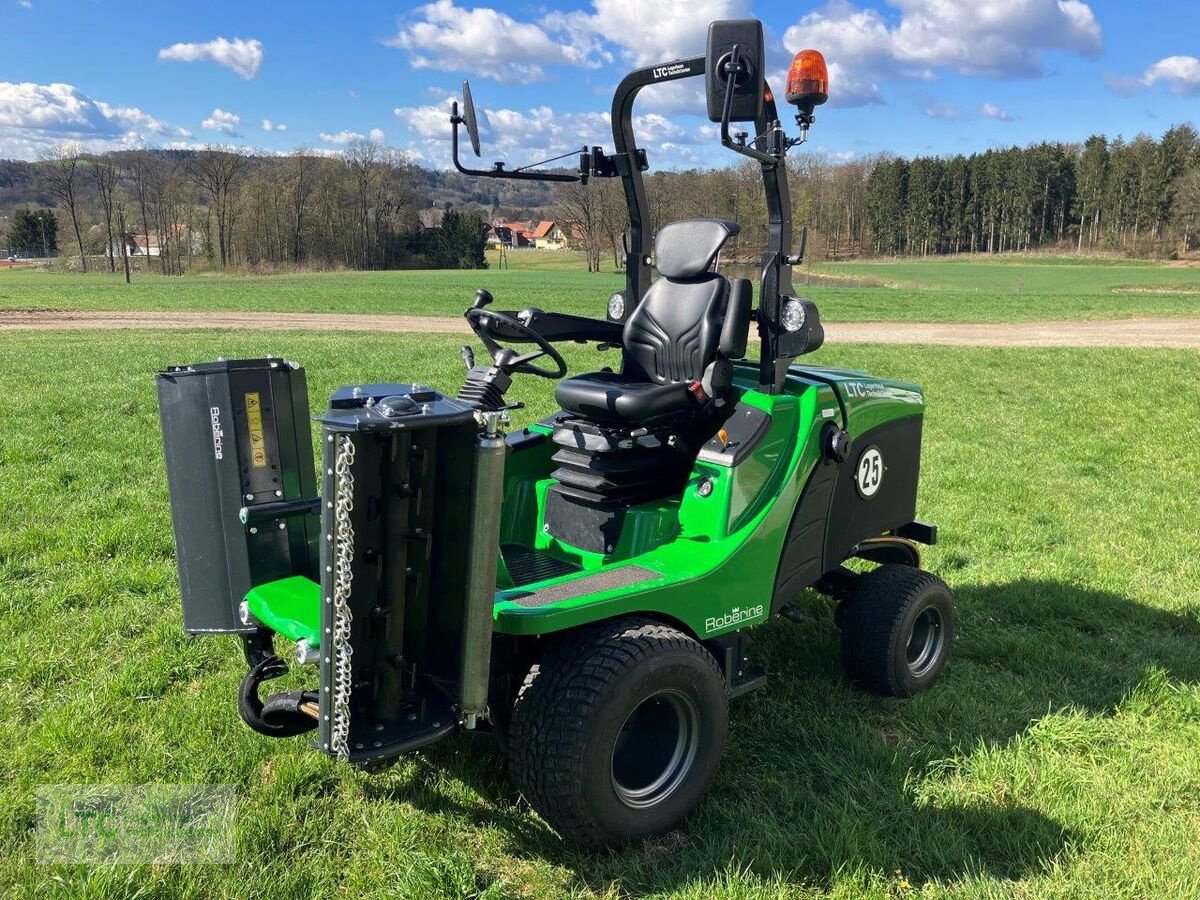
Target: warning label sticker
258,444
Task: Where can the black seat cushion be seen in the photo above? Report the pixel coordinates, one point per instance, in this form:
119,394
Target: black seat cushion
671,337
609,397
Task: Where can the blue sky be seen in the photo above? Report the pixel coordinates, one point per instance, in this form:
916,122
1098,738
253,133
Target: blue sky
908,76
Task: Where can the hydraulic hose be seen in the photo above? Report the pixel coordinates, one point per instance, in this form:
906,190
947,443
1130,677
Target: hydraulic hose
283,715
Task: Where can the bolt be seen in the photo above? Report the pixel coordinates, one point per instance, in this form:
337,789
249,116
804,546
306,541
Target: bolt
249,496
254,531
279,493
282,526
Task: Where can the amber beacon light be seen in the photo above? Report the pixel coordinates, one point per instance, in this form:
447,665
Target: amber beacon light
808,81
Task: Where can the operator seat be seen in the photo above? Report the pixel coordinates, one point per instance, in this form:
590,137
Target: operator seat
632,437
677,338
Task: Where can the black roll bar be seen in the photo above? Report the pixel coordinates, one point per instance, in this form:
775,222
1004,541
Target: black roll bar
768,148
778,346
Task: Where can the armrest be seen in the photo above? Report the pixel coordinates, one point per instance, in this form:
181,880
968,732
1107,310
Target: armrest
556,327
737,319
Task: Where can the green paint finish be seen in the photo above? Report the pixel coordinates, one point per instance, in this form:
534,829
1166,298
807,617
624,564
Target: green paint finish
289,606
869,401
720,568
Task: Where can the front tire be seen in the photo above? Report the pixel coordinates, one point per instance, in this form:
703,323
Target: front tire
897,628
618,731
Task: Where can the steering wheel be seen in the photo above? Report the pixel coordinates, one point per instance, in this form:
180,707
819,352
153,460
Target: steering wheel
508,359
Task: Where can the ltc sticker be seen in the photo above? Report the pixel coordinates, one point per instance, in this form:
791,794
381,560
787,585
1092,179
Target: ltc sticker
869,476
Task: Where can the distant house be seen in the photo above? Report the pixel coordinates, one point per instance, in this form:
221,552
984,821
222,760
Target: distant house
548,236
143,245
512,235
139,245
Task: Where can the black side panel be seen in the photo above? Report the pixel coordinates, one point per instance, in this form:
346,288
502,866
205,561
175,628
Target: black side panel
853,517
235,433
586,524
801,563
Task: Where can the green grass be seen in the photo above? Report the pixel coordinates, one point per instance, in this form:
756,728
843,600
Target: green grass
1057,757
1007,290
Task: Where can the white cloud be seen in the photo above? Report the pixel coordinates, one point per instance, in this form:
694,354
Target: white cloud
25,4
1180,73
987,38
494,44
34,117
377,135
268,125
132,118
938,110
991,111
242,56
220,120
678,28
341,137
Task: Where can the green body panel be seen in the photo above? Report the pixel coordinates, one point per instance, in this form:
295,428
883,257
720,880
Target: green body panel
289,606
716,556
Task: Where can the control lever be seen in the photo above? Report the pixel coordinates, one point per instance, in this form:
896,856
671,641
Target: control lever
482,299
468,357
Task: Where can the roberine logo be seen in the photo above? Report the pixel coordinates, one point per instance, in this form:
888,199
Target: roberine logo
735,616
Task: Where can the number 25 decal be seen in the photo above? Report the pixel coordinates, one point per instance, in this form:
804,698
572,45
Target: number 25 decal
869,475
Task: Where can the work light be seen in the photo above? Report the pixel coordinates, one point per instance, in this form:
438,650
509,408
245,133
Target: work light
808,81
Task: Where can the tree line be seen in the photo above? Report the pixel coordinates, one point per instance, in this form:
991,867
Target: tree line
1140,197
358,209
364,208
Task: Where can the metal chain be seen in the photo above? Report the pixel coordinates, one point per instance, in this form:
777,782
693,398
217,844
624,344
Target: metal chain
343,575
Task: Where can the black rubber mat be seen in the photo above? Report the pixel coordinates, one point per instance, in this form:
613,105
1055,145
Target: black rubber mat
625,576
527,566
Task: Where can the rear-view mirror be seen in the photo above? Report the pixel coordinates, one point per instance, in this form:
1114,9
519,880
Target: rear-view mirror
469,117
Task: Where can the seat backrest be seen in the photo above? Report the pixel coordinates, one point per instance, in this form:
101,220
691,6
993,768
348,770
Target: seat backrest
675,332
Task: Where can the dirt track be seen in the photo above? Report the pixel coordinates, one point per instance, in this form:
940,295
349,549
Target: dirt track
1176,333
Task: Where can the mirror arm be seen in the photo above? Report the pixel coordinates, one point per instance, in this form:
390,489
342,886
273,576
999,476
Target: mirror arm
499,171
731,69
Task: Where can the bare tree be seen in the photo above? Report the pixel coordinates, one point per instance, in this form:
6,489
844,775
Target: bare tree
362,158
105,176
65,177
300,171
218,173
581,208
145,171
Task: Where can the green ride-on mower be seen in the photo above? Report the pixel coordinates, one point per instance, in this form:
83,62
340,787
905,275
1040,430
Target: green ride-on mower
583,587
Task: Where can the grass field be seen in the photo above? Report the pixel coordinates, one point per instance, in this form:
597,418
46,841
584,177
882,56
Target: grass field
1015,289
1057,757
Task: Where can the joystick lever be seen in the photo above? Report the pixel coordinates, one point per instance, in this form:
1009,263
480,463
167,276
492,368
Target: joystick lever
482,299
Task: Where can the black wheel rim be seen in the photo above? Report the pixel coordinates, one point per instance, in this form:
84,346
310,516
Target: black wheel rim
925,640
655,749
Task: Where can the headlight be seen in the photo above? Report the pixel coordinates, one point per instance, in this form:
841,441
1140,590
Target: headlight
793,315
616,305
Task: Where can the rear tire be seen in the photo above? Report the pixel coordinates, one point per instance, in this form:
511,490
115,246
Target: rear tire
617,732
897,628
